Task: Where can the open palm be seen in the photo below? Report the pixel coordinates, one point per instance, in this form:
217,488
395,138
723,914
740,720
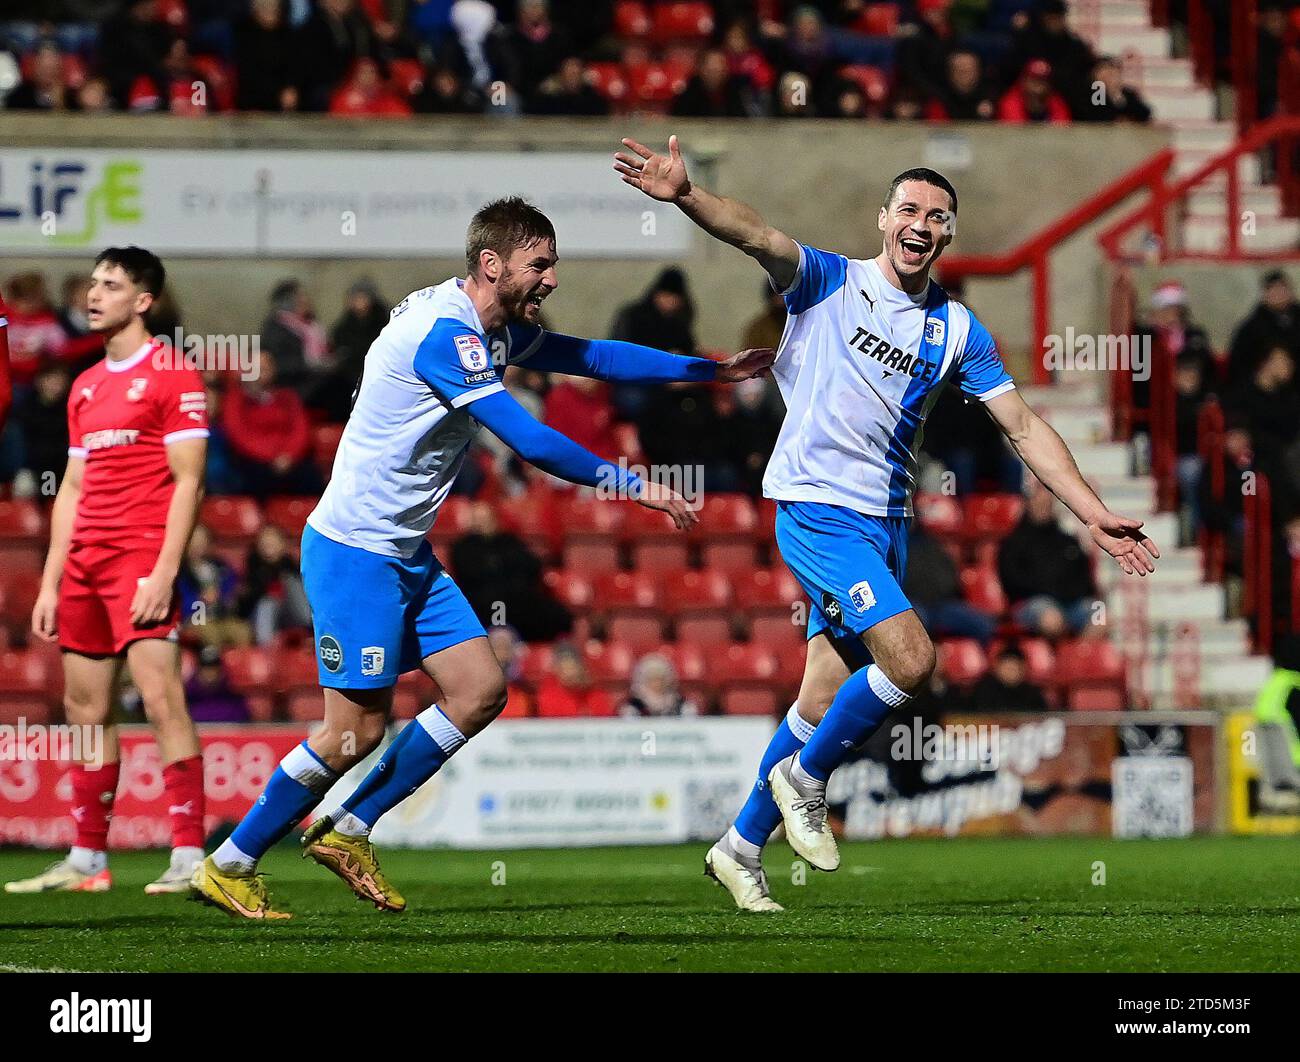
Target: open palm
1123,539
660,177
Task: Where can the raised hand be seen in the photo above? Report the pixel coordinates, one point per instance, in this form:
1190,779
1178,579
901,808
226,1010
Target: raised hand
745,364
660,177
1123,539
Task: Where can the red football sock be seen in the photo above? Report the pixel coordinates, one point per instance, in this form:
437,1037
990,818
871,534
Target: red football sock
183,783
93,790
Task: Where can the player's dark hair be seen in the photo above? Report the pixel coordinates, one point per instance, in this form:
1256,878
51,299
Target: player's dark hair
502,226
925,175
143,267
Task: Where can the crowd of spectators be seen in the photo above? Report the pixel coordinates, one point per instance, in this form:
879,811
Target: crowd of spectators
266,431
999,60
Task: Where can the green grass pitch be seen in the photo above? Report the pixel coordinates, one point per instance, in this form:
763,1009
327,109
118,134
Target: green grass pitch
1202,904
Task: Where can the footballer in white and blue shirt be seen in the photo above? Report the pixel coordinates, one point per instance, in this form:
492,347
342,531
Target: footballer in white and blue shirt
381,603
867,348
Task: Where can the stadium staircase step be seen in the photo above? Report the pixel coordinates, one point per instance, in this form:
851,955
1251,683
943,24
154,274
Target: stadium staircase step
1124,28
1147,619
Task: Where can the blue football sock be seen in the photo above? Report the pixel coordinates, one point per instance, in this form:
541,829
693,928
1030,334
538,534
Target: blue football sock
857,711
411,760
295,787
759,816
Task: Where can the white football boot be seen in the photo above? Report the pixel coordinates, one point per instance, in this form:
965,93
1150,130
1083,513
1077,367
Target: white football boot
743,878
804,812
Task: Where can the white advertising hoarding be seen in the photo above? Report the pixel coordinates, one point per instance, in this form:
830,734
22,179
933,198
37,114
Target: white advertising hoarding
336,204
526,783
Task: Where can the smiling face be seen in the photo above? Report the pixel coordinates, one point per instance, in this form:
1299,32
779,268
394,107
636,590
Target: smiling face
527,277
114,299
918,224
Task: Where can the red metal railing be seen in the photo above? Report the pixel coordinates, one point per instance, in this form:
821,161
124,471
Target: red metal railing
1257,561
1209,437
1035,252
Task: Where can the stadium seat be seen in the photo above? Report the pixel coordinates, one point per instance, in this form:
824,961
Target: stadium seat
1090,698
584,517
18,592
748,700
531,516
305,706
627,592
727,517
231,517
640,633
292,668
289,513
982,589
23,673
609,80
452,521
878,20
992,515
631,19
742,663
961,660
406,76
704,631
940,514
1040,660
325,444
662,556
778,632
681,20
535,664
873,81
594,557
608,661
572,588
766,590
20,557
1088,660
642,523
689,592
650,85
221,80
21,521
30,710
249,668
729,557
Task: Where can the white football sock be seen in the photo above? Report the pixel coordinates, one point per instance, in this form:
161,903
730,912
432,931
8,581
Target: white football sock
87,860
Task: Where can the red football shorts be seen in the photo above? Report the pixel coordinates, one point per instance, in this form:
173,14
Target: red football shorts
99,584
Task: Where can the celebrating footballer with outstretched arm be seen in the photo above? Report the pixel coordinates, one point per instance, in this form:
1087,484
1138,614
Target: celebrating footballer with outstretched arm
381,603
138,429
868,345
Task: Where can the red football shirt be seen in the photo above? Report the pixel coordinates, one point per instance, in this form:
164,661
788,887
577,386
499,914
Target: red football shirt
121,418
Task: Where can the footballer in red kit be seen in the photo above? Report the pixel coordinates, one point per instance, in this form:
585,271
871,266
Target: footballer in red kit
137,430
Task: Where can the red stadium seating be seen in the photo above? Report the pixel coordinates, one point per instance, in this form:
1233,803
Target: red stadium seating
1095,699
961,660
726,516
573,589
664,555
290,513
992,515
767,590
982,588
221,80
585,517
640,633
650,85
682,20
609,80
940,514
532,517
631,19
608,661
688,592
749,700
30,710
536,663
20,557
642,523
21,521
406,76
231,517
778,632
742,663
305,706
23,673
726,556
627,592
1088,660
325,444
873,81
704,630
452,521
593,557
18,593
878,20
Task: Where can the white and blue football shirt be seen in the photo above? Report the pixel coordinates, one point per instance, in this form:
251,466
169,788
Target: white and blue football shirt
409,430
860,366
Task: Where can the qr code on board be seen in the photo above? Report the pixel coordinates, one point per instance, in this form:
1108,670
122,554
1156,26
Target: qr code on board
1151,796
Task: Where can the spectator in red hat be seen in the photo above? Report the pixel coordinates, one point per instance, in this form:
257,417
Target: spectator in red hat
1032,98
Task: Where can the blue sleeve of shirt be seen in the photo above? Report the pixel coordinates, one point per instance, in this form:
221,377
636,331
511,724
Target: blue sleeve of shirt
604,359
980,369
548,449
821,274
456,362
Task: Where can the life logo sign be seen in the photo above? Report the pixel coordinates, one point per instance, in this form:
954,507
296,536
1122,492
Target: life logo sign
63,199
